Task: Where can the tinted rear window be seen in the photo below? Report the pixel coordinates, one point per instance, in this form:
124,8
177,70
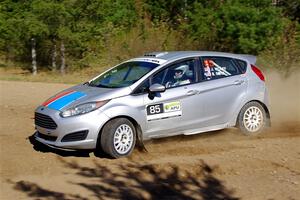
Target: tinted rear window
242,65
218,67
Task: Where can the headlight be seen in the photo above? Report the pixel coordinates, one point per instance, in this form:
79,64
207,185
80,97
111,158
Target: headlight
83,108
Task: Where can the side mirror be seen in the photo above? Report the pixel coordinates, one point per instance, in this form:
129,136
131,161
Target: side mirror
157,88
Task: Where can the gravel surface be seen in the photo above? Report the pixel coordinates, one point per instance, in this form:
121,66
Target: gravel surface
217,165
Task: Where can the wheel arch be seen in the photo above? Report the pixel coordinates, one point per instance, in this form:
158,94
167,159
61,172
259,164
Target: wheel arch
264,107
139,133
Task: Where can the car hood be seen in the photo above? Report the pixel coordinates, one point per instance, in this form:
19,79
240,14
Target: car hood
80,94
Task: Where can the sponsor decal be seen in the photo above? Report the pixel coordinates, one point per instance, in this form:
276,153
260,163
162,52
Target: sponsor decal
164,110
171,107
63,99
156,60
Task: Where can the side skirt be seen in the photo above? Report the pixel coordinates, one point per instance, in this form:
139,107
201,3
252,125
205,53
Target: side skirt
192,131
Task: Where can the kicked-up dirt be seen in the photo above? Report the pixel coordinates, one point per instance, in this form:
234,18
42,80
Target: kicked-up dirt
216,165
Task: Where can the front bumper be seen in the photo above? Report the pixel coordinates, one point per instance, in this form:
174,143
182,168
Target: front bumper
91,122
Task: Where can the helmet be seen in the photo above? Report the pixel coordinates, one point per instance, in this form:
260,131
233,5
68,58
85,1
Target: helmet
178,74
180,71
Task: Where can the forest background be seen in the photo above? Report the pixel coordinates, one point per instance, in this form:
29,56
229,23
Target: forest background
82,38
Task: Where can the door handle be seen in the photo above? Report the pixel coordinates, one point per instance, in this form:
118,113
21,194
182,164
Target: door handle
238,82
192,92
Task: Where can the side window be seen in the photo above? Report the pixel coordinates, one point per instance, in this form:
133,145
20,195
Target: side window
159,77
242,64
178,74
218,67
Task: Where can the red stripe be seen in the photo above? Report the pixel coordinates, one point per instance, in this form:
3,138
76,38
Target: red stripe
46,103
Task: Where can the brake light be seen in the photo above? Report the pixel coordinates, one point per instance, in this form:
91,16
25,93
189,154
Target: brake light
258,72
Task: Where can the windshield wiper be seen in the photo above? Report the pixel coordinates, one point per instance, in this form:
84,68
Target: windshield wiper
99,85
104,86
90,84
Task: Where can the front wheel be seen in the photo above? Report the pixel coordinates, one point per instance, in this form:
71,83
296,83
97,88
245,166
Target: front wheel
252,119
118,137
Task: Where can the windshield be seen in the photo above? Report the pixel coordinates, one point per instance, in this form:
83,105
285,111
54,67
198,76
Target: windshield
123,75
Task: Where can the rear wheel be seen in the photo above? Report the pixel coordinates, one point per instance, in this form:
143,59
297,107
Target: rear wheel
252,119
118,137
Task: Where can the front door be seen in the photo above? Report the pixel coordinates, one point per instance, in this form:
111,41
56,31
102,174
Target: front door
170,112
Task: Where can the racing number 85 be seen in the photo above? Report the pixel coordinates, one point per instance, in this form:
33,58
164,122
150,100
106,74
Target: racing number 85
155,109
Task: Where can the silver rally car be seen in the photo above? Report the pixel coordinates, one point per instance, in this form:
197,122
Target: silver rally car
157,95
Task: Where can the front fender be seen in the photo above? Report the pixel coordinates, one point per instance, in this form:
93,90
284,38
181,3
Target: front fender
128,106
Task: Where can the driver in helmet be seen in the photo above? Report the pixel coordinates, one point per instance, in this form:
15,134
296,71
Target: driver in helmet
179,79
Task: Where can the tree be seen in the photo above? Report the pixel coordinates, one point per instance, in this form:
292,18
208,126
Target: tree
171,11
54,15
235,25
291,9
76,33
21,29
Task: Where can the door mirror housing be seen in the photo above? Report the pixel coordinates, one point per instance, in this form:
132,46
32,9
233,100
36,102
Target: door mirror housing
157,88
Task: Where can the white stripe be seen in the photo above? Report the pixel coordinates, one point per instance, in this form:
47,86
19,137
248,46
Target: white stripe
164,115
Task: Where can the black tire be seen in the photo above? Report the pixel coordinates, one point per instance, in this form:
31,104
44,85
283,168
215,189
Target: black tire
108,135
244,123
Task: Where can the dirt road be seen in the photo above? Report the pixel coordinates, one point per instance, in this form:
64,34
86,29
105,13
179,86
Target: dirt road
217,165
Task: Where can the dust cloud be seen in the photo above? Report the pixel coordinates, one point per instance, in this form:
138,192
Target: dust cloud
284,96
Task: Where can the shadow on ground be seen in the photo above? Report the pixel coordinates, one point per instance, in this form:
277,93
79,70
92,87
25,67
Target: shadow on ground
40,147
37,146
137,181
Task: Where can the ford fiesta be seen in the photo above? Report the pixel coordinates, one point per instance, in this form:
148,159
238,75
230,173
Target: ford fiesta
157,95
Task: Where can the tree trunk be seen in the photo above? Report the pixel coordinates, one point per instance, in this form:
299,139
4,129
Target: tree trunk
33,56
54,54
62,53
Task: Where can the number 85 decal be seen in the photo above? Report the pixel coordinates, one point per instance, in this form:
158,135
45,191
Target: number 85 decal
155,109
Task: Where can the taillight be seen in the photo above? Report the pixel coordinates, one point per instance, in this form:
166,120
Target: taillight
258,72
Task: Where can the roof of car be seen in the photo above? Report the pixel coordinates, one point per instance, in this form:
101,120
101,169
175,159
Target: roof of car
174,55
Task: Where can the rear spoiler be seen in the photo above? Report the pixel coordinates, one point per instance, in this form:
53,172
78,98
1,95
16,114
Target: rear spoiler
251,59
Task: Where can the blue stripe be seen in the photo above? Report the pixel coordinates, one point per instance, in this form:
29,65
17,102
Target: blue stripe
66,100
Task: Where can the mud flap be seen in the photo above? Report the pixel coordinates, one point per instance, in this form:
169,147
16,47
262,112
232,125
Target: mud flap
140,144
